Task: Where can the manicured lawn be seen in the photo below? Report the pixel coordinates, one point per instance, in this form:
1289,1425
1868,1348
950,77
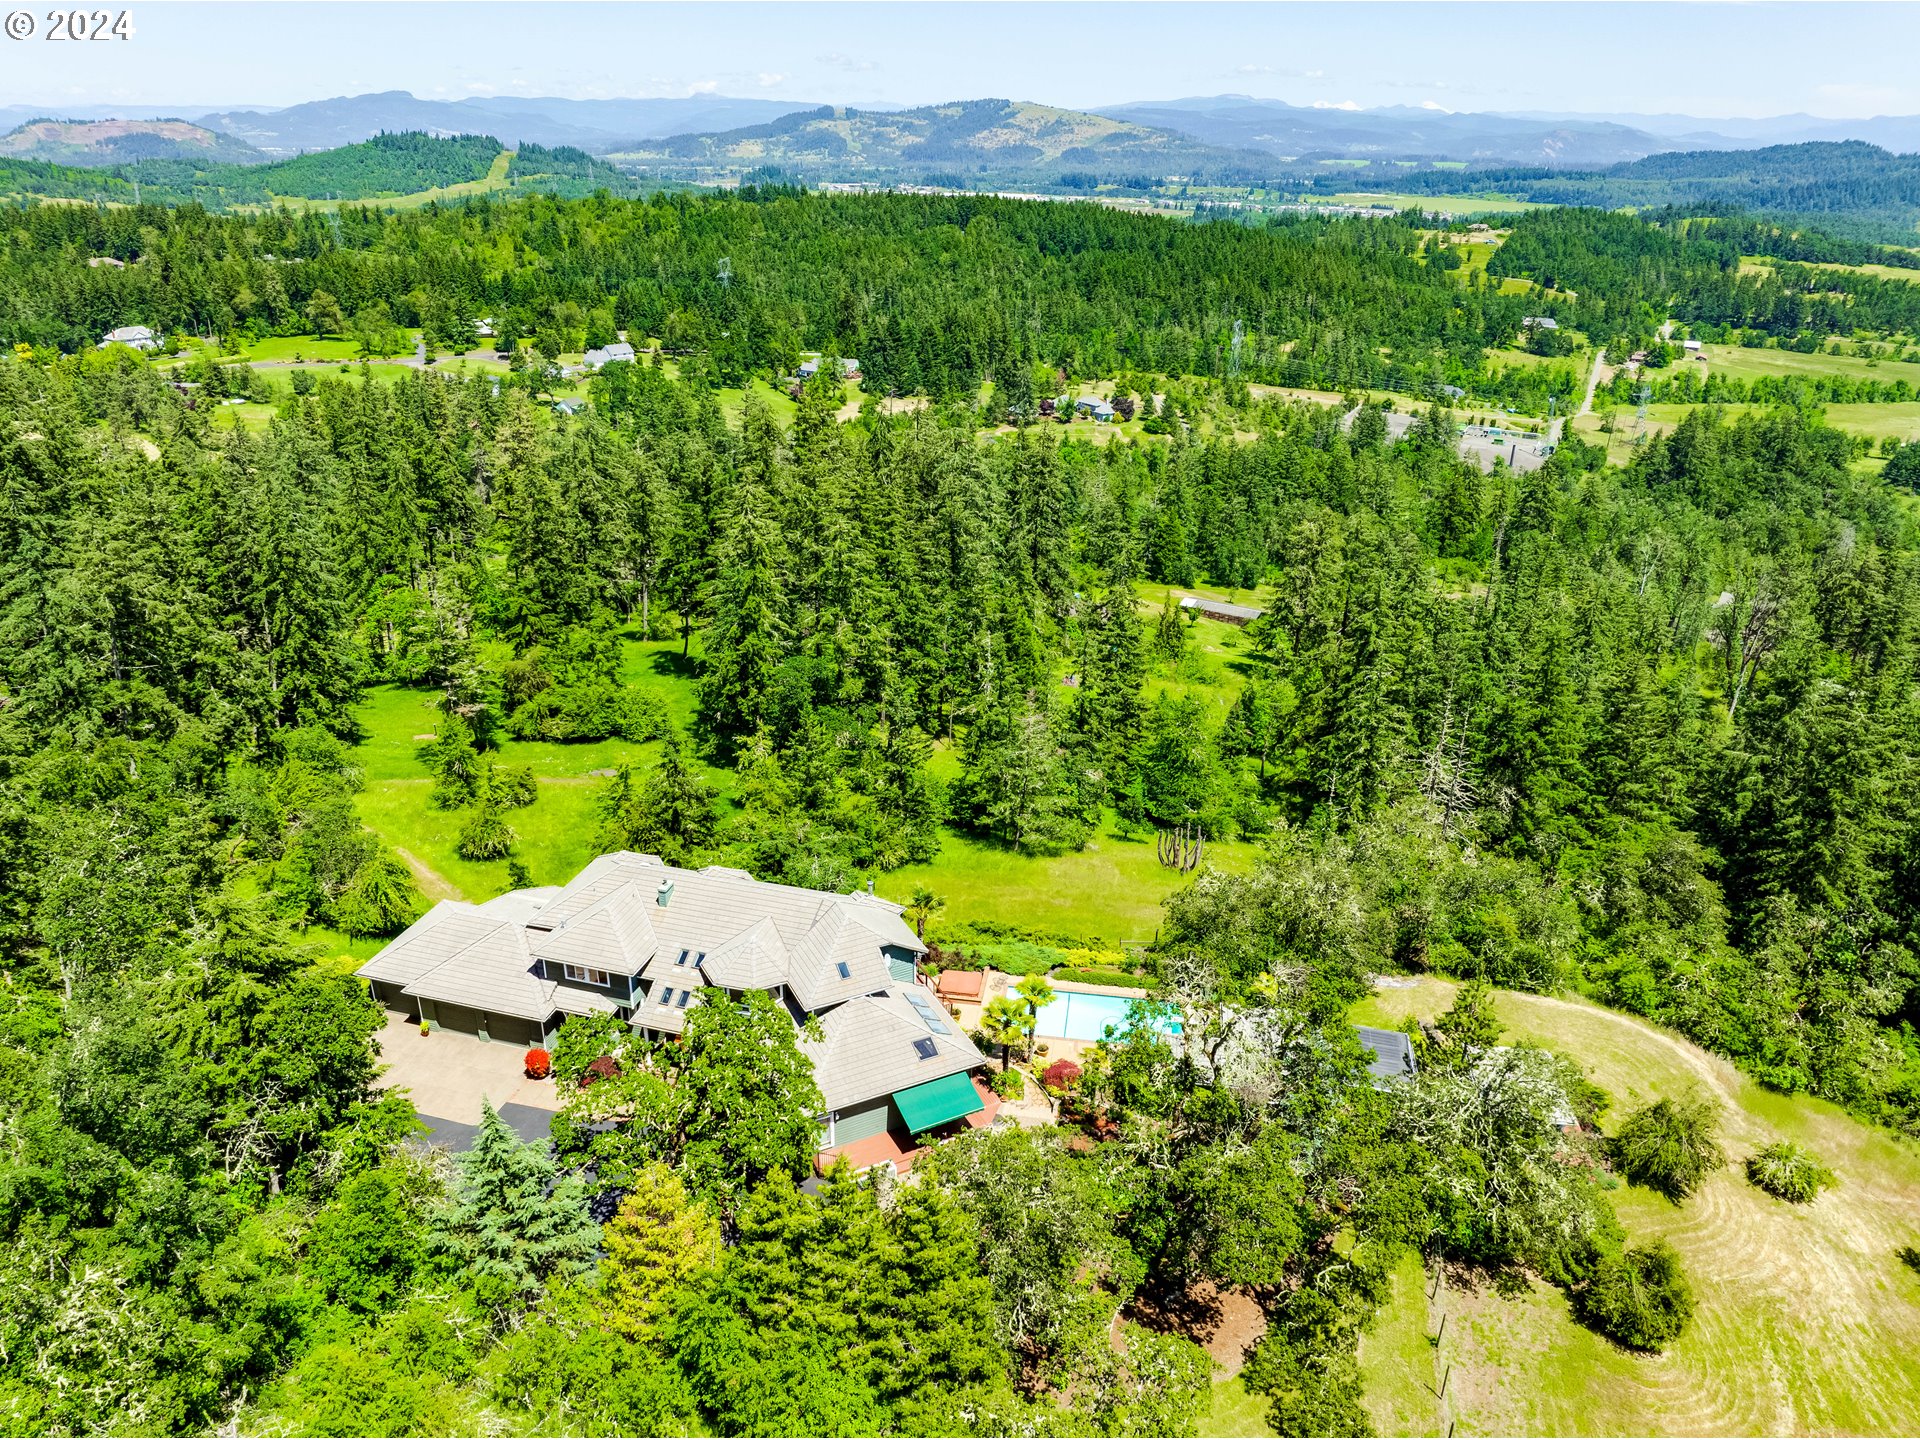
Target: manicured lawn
1110,892
732,402
1806,1322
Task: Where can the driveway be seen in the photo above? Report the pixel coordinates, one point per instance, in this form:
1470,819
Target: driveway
447,1075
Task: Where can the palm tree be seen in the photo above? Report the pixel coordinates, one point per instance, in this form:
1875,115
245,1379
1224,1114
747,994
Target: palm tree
1035,994
923,907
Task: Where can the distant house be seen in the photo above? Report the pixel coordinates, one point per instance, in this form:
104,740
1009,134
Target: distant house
484,328
139,337
619,350
1220,610
1093,405
1450,392
95,262
647,942
1540,322
808,369
1689,344
1391,1053
568,407
850,369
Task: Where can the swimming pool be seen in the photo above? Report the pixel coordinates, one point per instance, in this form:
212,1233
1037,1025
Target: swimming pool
1074,1016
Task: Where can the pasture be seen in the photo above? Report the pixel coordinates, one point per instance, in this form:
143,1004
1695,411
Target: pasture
1807,1322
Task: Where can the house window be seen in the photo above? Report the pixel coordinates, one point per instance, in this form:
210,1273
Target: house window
586,975
666,996
685,995
683,958
701,958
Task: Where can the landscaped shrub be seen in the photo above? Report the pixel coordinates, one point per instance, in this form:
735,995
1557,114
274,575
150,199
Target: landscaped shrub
1061,1076
601,1067
486,836
1096,975
1671,1145
1639,1298
1788,1172
514,786
539,1064
591,710
1007,1084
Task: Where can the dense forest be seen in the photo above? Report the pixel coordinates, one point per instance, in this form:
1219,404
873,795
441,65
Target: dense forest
1648,733
932,294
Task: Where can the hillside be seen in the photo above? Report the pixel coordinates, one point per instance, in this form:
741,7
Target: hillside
1003,140
1393,132
1847,187
386,168
90,143
512,120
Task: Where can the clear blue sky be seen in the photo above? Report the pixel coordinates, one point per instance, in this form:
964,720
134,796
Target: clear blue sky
1702,59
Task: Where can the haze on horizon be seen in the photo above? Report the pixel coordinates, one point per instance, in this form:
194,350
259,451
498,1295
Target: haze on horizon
1839,60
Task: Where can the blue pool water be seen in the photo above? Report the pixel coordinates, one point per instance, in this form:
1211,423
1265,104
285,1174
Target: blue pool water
1073,1016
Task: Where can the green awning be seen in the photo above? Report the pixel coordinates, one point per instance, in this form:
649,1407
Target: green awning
926,1106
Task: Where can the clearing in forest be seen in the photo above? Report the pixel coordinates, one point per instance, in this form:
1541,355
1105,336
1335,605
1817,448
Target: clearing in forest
1807,1320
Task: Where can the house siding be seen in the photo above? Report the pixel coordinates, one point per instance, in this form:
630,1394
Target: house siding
862,1124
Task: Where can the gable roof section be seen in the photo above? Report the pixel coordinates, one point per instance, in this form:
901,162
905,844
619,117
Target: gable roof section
866,1050
755,959
839,959
613,933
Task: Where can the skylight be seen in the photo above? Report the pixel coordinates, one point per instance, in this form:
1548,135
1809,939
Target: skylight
925,1049
845,973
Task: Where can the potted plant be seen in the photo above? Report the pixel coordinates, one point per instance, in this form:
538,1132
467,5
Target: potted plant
425,1028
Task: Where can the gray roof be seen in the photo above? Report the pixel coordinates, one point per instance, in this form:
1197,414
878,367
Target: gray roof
1220,607
607,354
634,914
1392,1052
866,1048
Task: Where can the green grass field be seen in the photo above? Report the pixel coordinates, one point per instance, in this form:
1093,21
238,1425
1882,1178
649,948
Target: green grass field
1759,264
1108,895
1807,1322
494,179
1236,1412
1739,362
1450,204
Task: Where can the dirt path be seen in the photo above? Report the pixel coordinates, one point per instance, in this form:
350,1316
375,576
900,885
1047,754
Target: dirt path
432,883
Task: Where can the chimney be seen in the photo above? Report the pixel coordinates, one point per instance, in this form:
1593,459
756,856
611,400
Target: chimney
869,887
665,893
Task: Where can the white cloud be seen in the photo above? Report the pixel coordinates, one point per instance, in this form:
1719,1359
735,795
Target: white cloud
1336,105
1435,105
767,79
1253,69
704,87
846,62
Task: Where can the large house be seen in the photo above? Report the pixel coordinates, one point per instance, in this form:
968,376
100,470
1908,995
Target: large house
140,337
635,937
606,355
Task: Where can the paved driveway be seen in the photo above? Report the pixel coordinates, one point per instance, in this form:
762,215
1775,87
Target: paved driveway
447,1075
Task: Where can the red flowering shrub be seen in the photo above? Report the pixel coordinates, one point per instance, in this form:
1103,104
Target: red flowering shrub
1061,1076
603,1067
539,1064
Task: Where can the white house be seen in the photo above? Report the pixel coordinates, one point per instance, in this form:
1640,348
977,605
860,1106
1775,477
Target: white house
138,337
619,350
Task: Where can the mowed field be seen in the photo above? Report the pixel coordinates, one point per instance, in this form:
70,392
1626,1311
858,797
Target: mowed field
1760,264
1739,362
1807,1322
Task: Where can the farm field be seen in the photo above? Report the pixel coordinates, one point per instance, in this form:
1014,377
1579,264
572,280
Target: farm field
1899,421
1745,364
1807,1321
1451,204
1759,264
494,179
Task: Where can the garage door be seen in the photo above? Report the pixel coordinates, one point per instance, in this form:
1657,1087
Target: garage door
510,1031
456,1017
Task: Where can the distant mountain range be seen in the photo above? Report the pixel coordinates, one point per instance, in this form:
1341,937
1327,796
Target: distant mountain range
595,125
725,129
963,142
